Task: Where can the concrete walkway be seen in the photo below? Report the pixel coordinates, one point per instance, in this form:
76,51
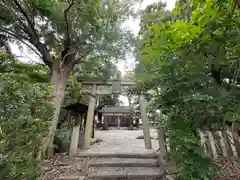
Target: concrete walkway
122,141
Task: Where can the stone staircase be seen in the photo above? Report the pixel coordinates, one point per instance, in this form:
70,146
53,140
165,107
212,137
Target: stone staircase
134,166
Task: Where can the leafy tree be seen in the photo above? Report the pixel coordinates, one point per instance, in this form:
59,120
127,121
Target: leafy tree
153,14
64,33
192,61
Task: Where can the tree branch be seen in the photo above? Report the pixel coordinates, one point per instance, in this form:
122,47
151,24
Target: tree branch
14,13
85,51
14,34
66,19
21,39
67,42
30,23
65,57
46,57
34,37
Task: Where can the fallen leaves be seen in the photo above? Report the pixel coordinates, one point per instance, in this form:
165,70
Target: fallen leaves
61,165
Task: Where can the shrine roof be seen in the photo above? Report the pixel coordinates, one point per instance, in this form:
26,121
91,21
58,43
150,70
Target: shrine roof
118,109
78,108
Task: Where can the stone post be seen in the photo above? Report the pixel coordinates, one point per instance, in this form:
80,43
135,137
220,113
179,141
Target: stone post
146,132
75,136
162,144
90,115
162,141
118,122
74,140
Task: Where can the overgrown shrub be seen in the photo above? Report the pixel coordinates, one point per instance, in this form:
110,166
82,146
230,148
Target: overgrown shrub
62,140
25,115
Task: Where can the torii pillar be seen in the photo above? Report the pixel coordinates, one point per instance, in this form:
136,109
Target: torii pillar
90,116
146,132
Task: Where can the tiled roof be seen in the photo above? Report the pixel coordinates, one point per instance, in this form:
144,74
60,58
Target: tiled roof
118,109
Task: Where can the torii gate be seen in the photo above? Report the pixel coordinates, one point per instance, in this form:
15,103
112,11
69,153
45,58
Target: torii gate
116,84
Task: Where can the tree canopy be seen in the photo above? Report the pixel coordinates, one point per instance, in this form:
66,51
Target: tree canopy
54,29
192,61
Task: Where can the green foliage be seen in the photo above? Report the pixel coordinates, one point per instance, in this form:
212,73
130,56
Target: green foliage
187,152
62,140
30,72
194,70
102,67
25,114
153,14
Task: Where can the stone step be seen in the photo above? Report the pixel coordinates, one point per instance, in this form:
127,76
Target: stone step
71,178
149,173
122,162
119,155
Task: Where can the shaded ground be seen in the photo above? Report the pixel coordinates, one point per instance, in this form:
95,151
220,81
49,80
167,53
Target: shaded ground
61,165
122,141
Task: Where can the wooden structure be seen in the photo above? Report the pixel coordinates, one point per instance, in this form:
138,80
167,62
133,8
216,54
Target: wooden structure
76,117
118,116
79,112
220,143
97,89
217,144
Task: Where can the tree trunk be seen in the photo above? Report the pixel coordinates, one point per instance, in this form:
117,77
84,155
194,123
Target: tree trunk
59,80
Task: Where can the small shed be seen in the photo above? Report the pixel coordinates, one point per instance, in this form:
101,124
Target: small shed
79,113
118,116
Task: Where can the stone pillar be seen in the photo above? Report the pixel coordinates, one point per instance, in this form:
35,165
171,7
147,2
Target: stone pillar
75,136
90,115
162,140
118,122
162,144
93,127
74,140
146,132
103,120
